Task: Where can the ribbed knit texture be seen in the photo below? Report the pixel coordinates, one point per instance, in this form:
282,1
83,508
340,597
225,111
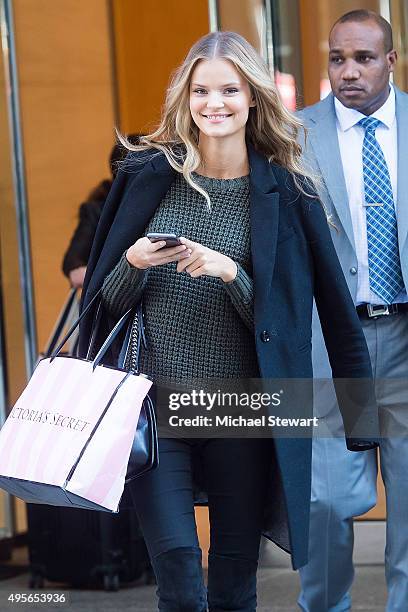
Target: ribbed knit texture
195,328
123,287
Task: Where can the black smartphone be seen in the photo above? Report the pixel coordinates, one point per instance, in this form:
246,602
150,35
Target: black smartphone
171,240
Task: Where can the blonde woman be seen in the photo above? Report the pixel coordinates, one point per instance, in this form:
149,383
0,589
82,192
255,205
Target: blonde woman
234,299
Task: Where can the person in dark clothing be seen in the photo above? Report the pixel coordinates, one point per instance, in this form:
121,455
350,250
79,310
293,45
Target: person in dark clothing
77,255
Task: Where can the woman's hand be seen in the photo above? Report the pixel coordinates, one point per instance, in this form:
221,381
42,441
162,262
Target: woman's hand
145,254
77,276
205,262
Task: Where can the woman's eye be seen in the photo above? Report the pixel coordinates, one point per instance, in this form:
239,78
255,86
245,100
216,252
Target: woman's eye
335,60
199,91
231,90
364,58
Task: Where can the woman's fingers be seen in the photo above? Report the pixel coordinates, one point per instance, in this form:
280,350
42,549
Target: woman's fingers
168,255
185,254
195,250
183,263
191,266
154,246
188,243
169,251
199,271
170,258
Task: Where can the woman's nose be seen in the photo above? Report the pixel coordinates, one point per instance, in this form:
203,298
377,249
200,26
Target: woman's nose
215,101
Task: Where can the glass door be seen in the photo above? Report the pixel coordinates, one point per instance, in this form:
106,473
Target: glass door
17,330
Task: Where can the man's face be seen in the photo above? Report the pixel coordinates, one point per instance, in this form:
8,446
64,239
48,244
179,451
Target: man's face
359,66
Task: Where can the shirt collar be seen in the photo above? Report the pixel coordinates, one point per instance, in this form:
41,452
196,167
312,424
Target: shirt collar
349,117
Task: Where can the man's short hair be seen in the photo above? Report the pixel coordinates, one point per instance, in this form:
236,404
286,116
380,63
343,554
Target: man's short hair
366,15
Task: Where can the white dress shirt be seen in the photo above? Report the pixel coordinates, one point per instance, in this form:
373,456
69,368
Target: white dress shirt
351,138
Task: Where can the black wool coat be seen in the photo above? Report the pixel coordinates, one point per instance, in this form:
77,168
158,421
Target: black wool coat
293,261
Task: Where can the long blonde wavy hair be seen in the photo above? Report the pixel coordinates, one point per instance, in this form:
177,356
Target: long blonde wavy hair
271,128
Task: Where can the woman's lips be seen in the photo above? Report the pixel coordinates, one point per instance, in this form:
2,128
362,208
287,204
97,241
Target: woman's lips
216,118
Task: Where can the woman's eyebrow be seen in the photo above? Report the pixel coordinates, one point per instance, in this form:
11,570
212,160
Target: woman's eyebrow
226,84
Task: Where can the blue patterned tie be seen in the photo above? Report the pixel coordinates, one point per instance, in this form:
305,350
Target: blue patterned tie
382,238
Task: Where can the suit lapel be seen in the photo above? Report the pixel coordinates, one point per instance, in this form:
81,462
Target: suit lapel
402,190
264,210
325,144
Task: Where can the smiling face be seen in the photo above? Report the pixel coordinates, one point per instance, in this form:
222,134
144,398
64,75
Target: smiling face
220,99
359,66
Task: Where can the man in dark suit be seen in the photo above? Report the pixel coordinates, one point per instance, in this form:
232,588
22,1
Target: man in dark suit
357,144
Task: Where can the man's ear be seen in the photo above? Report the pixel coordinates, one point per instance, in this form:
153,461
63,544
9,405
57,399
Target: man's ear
392,60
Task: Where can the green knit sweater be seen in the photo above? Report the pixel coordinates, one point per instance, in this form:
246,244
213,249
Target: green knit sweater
195,328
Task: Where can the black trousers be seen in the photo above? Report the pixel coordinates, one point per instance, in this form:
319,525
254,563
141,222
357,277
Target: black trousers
235,475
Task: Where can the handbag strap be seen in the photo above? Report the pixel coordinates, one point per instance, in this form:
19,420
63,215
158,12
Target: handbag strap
95,328
63,319
137,321
111,338
74,326
105,346
135,325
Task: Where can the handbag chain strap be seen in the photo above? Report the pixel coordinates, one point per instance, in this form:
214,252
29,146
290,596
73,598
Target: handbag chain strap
129,357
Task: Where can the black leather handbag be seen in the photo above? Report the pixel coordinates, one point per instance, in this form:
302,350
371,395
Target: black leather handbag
144,455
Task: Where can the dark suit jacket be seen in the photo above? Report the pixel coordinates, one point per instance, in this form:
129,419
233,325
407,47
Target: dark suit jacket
293,260
79,249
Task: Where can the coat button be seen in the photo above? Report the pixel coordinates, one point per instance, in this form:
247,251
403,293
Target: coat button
265,337
353,270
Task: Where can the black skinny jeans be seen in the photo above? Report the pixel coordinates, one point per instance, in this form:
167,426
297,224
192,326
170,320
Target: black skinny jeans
235,474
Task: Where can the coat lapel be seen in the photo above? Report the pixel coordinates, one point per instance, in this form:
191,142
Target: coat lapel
402,190
324,141
144,193
264,211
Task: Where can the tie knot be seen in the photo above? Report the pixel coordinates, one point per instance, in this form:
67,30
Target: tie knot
369,124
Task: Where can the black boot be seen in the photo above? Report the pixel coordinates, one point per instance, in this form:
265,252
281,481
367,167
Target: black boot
231,584
180,580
